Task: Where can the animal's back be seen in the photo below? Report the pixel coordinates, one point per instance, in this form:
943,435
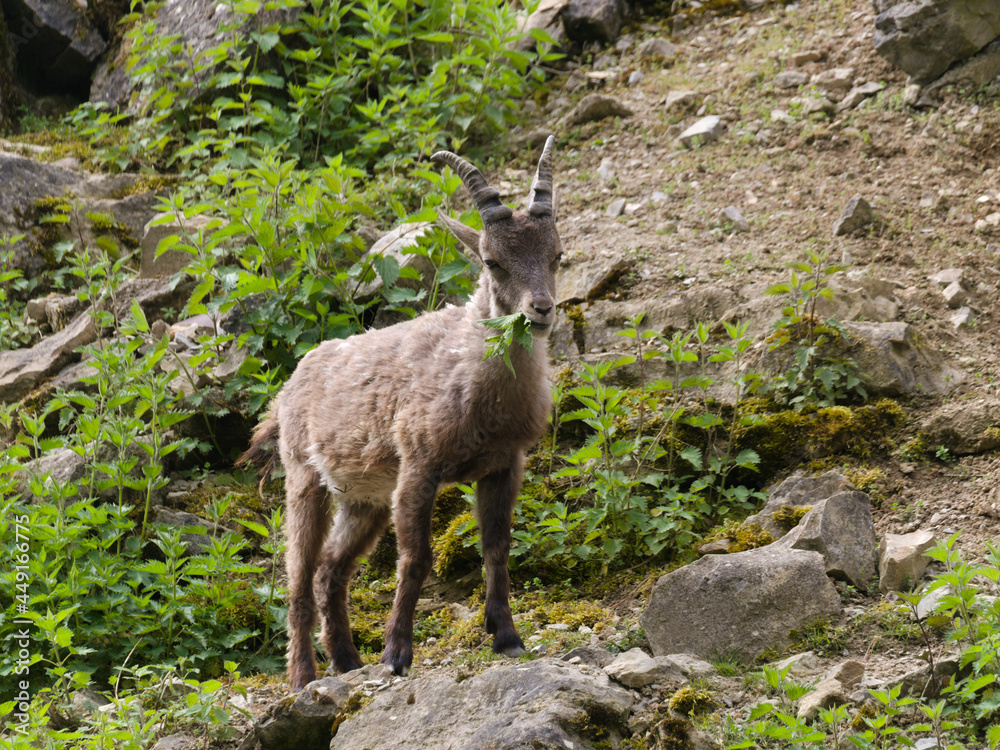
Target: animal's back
343,400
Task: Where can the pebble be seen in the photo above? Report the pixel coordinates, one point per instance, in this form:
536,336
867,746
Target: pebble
791,79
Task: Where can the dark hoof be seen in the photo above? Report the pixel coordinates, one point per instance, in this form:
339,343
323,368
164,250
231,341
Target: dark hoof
347,660
301,674
508,644
399,662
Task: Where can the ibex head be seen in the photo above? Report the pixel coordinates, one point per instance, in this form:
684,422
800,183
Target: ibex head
520,251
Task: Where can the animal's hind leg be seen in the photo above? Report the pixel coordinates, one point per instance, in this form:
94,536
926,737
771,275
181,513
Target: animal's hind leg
356,529
307,521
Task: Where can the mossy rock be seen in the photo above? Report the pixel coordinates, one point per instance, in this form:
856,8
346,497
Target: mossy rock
690,701
787,438
742,536
787,517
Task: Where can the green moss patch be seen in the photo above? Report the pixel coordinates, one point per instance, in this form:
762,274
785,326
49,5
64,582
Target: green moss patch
787,438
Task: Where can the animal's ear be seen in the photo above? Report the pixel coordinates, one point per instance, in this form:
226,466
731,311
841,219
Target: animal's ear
467,235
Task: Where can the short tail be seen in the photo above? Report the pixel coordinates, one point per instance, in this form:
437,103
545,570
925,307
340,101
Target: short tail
263,451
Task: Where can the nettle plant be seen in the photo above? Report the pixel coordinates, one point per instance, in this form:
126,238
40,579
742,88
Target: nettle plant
654,469
376,83
280,259
98,573
953,713
814,375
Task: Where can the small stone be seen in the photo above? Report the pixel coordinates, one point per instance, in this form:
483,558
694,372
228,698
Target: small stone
635,77
961,318
799,664
780,115
634,668
595,107
857,214
902,560
616,208
717,547
954,295
826,694
791,79
858,94
706,130
911,94
835,79
805,57
946,277
607,169
540,650
657,48
928,199
305,722
689,665
731,215
812,105
35,310
683,100
848,673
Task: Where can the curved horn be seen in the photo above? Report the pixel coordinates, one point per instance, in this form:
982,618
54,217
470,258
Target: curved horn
487,199
540,197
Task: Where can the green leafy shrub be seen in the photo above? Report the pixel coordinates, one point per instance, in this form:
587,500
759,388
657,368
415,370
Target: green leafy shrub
814,374
374,83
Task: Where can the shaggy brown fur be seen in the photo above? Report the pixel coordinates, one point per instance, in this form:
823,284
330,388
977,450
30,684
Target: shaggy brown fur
375,424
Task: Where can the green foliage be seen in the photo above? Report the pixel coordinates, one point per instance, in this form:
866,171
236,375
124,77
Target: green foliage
512,328
632,491
159,701
14,332
374,83
690,701
814,375
107,593
742,536
963,713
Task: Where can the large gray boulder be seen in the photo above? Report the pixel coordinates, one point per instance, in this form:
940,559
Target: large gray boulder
28,187
593,20
799,490
925,37
841,529
544,703
21,370
304,723
965,427
897,362
55,44
198,24
746,602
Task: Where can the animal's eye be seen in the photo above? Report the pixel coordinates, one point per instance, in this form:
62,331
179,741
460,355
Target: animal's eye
491,264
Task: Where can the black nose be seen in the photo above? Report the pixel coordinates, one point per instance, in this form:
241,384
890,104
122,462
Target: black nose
542,310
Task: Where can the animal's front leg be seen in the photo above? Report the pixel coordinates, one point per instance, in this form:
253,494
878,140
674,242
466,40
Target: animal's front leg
413,504
495,497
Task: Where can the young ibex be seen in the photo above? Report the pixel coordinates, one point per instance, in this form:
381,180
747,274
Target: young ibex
375,424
